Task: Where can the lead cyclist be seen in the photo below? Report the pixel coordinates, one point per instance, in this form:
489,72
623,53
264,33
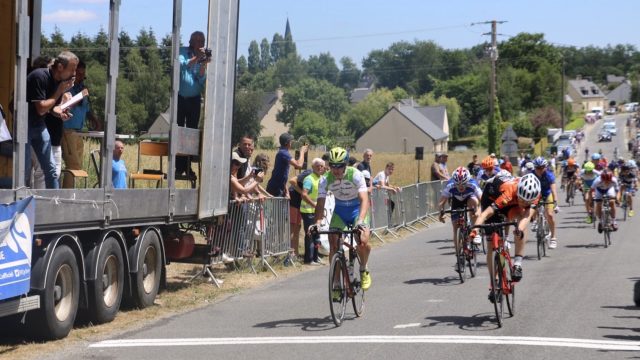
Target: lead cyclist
351,208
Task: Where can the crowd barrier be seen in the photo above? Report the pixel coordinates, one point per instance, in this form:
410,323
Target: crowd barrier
260,228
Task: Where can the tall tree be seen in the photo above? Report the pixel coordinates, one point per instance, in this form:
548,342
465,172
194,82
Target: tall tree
265,54
254,57
101,46
349,75
245,115
316,95
277,47
241,65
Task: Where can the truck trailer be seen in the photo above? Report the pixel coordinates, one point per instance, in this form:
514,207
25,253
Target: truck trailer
94,248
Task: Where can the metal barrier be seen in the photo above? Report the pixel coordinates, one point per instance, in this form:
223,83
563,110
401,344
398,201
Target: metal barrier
261,227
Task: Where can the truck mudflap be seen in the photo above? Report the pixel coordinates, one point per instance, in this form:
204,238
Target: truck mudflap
19,305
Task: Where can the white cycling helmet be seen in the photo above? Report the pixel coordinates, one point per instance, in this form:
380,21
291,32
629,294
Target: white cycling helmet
529,187
461,176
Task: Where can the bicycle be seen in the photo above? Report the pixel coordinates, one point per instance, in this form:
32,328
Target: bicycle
542,229
502,286
571,192
465,254
344,276
607,228
625,205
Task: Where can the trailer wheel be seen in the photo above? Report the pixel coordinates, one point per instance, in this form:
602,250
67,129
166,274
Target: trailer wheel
106,292
147,279
59,300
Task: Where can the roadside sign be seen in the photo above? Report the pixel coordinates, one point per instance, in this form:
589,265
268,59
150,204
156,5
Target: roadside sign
16,230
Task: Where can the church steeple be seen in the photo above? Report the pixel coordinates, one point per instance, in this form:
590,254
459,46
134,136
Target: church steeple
289,45
287,31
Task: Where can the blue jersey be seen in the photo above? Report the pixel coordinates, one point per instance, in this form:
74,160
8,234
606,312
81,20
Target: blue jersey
471,190
546,180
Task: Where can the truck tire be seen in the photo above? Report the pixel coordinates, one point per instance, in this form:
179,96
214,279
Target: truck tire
106,292
636,293
59,300
146,281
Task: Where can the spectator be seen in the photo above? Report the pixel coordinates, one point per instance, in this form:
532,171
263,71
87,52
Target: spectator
506,165
443,165
193,65
352,161
436,170
277,185
45,87
247,173
238,191
72,143
381,181
118,167
261,165
308,209
474,166
295,217
365,165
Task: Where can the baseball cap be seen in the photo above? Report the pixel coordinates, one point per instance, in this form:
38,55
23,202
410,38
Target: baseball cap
285,138
238,158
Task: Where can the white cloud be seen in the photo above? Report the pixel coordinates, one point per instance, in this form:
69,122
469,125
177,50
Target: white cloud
69,16
89,1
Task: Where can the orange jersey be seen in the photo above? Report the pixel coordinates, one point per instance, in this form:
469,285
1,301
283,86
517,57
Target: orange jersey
509,195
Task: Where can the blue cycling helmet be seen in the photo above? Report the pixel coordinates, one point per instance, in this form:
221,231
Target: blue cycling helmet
595,156
540,162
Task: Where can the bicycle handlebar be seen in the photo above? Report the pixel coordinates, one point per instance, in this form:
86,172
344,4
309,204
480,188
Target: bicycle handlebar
337,232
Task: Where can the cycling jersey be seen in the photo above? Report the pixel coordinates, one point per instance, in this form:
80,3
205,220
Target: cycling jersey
546,180
507,201
588,178
346,193
484,176
471,189
627,179
569,171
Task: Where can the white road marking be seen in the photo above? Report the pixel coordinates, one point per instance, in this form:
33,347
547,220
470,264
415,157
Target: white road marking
435,300
379,339
404,326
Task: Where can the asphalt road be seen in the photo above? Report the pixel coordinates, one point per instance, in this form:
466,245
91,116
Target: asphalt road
574,304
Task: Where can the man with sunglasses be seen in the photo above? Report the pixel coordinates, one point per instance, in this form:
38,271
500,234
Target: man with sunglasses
461,190
549,195
351,206
514,201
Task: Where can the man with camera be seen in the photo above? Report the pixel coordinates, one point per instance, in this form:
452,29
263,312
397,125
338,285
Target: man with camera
193,66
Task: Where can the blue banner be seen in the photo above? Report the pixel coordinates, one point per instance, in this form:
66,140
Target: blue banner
16,238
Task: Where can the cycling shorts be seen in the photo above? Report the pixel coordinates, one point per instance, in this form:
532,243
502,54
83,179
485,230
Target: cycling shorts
598,193
458,204
346,215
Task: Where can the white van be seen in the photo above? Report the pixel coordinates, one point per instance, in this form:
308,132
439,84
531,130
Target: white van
598,110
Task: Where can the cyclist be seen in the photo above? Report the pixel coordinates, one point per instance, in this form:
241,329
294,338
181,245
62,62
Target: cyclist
595,159
514,200
461,189
549,195
489,169
606,183
588,175
351,206
628,185
569,174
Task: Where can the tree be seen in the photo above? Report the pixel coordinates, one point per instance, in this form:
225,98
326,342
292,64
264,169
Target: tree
254,57
543,118
245,115
265,54
277,48
314,126
289,71
453,111
242,66
101,46
359,118
349,75
470,91
315,95
323,67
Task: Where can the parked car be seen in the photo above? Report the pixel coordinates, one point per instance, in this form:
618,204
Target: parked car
611,111
604,136
610,127
630,107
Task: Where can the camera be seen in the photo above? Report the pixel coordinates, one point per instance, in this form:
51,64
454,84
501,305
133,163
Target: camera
257,170
207,53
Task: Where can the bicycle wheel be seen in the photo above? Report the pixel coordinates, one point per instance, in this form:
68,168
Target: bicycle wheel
509,290
605,225
540,240
496,288
337,287
472,260
624,207
358,293
461,266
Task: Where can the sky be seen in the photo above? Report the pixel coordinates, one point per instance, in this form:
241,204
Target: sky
353,28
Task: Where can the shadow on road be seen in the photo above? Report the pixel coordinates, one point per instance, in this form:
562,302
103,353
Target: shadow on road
478,322
306,324
585,246
438,241
446,281
583,226
624,307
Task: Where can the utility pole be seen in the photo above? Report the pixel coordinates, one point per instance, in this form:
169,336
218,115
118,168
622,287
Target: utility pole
562,97
492,125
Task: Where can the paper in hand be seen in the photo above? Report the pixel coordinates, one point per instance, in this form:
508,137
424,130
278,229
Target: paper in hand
74,100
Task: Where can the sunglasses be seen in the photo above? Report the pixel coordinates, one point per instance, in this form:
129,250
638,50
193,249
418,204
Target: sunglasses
337,166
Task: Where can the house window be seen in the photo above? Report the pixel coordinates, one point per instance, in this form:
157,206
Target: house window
584,91
594,90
